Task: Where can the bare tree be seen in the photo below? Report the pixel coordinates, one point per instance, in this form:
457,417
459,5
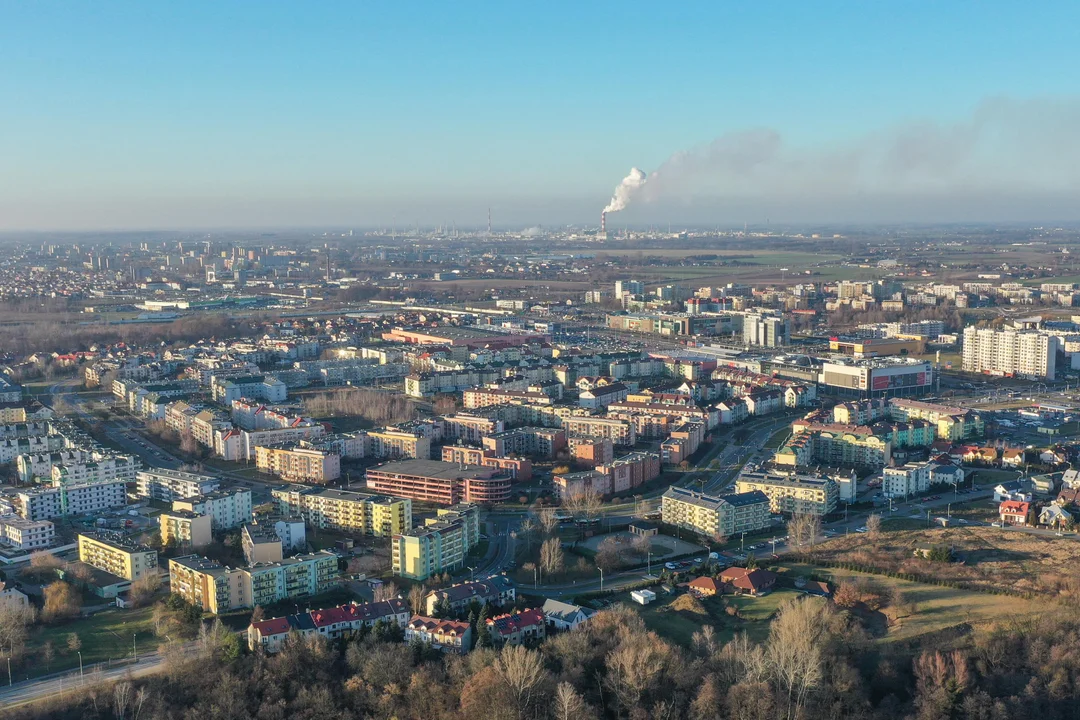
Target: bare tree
794,651
61,602
585,505
74,643
522,672
873,526
804,528
15,621
568,704
527,532
551,556
386,591
548,522
416,598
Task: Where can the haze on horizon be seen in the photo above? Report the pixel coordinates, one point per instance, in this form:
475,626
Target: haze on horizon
124,116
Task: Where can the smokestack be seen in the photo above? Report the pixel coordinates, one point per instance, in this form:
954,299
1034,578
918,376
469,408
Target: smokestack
603,222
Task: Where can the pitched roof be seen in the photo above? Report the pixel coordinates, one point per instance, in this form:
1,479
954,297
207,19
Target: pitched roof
510,623
752,580
1014,507
705,583
559,610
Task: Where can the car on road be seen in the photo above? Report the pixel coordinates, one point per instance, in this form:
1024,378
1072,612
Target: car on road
670,565
860,529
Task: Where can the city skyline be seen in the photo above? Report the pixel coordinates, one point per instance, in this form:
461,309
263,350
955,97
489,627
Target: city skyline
127,117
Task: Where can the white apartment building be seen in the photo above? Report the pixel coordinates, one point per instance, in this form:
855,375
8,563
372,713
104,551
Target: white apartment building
72,498
26,534
226,508
111,467
169,485
1009,352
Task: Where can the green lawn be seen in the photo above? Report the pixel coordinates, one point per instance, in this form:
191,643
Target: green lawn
778,438
479,549
105,635
760,609
993,477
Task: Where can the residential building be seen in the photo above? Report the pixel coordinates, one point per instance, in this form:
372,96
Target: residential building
517,628
519,469
766,330
496,591
354,512
260,544
9,596
298,463
619,432
292,532
446,635
257,387
749,582
399,445
793,494
74,498
439,482
117,557
227,508
1010,352
538,442
715,515
217,588
185,529
29,535
564,616
168,485
331,623
104,468
440,545
950,423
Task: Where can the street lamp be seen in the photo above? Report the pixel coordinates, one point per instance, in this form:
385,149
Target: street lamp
134,650
649,562
601,578
80,663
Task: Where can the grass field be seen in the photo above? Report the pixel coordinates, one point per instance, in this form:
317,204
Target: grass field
105,635
778,438
755,613
936,608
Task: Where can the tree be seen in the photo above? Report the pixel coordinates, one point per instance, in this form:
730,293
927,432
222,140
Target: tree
189,444
522,671
143,589
527,532
258,614
551,556
804,528
74,643
61,602
15,621
794,651
416,598
48,654
386,591
43,566
751,561
584,505
548,522
568,704
873,526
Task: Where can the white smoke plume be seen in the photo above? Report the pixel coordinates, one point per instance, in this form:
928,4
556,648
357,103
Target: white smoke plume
630,186
1006,148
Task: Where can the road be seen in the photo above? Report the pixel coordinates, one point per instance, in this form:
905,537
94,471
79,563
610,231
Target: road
56,684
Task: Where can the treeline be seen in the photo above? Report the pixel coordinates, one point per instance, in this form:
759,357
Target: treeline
379,407
64,337
817,663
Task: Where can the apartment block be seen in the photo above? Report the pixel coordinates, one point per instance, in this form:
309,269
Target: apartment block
793,494
298,463
258,387
1010,352
539,442
73,498
441,545
520,469
185,529
131,562
950,423
40,465
439,482
168,485
227,508
27,535
399,445
345,510
715,515
260,544
217,588
110,467
590,450
619,432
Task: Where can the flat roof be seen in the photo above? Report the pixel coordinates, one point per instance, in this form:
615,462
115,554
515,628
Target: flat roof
431,469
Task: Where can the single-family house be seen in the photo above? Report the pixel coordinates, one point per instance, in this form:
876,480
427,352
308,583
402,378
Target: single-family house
1014,512
705,586
1011,490
564,616
1055,516
1013,457
748,582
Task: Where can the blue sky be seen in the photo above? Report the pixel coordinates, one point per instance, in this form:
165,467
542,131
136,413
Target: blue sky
202,114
